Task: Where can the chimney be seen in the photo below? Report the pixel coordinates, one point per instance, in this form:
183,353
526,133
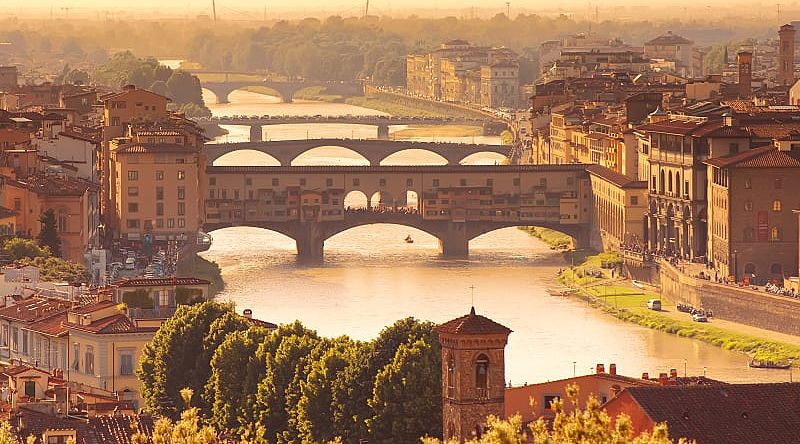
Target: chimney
612,369
646,376
745,61
662,378
601,368
129,87
786,57
248,313
673,373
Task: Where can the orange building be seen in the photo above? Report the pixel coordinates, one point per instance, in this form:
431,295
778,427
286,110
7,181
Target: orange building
157,179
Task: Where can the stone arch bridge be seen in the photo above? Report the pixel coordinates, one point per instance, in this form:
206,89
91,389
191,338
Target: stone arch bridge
285,151
455,203
286,89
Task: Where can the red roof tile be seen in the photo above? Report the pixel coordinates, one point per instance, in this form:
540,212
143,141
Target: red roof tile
614,177
765,157
34,309
473,324
728,414
115,324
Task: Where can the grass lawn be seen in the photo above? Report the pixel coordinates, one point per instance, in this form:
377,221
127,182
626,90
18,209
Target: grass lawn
629,304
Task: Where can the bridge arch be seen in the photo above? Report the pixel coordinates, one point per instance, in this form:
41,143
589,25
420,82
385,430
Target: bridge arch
484,158
404,156
331,155
246,157
356,200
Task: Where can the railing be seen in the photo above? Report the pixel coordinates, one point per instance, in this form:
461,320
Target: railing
482,393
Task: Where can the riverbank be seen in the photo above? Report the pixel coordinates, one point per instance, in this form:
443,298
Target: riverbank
555,239
199,267
394,108
619,298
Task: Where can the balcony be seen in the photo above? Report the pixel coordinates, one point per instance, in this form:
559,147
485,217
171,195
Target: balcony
482,393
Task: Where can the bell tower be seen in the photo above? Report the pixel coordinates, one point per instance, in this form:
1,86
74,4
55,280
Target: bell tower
473,374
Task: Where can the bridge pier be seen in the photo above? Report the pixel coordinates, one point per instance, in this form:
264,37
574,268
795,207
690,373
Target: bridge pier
454,243
256,133
310,243
383,132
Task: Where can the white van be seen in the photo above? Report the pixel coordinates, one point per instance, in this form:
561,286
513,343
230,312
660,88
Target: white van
654,304
130,263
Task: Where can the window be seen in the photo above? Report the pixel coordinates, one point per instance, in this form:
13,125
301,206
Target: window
182,193
170,223
776,205
115,121
542,182
159,193
482,372
775,234
14,338
748,205
133,175
133,191
778,183
382,182
181,174
133,207
462,182
76,356
734,148
748,183
126,363
133,223
181,208
212,180
159,208
409,182
776,269
181,223
489,182
634,200
30,389
749,234
436,182
88,360
25,342
451,376
328,182
276,182
303,182
159,223
17,204
62,220
248,181
159,175
548,401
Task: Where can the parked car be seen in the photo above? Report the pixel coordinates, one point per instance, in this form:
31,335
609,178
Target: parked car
130,263
654,304
699,317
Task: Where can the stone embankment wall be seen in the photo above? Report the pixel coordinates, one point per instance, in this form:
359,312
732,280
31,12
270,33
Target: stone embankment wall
433,105
757,309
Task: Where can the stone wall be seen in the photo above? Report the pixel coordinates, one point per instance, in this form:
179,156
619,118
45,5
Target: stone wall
433,105
757,309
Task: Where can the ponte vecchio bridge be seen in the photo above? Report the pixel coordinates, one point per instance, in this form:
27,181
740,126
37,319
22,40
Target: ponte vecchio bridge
453,203
285,151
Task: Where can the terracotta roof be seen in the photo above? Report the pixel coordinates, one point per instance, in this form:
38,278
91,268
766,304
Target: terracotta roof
473,324
117,429
52,326
263,324
730,414
13,371
6,212
614,177
115,324
48,184
765,157
720,130
140,148
156,282
94,307
678,127
29,422
34,309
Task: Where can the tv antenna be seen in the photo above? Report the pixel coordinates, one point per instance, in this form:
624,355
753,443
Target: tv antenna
214,10
472,295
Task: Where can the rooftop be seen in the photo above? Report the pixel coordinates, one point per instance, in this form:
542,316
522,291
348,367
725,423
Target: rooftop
765,157
614,177
669,39
473,324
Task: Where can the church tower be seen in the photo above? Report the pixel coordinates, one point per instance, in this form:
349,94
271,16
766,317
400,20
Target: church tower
473,374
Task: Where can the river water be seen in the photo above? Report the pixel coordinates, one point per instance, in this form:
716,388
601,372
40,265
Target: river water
371,278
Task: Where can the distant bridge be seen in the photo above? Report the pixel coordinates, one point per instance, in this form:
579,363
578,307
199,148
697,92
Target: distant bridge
375,151
454,203
285,88
383,123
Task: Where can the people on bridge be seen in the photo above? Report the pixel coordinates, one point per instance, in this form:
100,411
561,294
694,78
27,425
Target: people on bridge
382,210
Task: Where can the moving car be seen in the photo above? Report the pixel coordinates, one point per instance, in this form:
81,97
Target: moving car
654,304
699,317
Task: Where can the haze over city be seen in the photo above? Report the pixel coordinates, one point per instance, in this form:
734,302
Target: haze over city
399,222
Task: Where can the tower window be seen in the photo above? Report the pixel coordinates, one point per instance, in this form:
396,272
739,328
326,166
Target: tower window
482,372
451,376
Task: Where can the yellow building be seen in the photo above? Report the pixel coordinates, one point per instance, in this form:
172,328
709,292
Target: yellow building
619,207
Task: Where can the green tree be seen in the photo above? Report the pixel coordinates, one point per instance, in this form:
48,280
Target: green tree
185,88
187,430
407,395
18,248
179,356
48,236
57,269
7,435
235,373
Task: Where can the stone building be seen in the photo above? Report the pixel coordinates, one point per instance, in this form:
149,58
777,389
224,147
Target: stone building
473,374
674,48
753,232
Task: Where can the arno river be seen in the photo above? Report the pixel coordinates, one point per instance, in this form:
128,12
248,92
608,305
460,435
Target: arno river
371,278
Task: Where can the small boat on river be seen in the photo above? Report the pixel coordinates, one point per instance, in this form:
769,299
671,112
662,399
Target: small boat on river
767,364
409,240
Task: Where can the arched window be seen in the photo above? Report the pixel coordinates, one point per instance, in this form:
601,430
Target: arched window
482,372
670,181
678,183
451,376
88,362
776,205
775,234
776,269
661,182
749,234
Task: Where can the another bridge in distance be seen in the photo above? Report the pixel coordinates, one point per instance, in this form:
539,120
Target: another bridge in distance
285,88
381,122
453,203
375,151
